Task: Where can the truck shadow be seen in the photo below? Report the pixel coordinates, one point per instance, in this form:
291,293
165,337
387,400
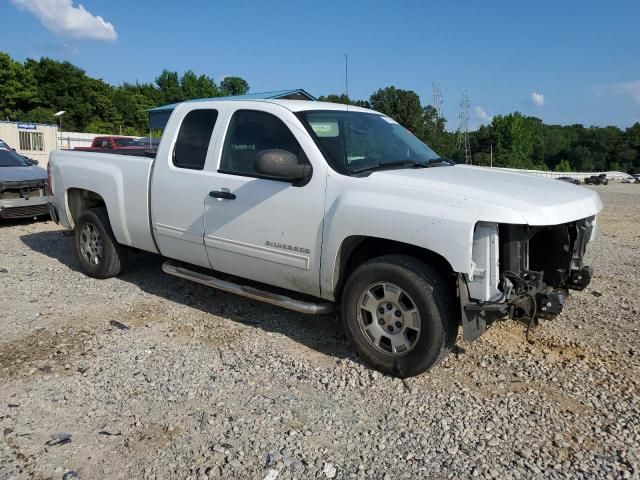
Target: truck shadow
323,334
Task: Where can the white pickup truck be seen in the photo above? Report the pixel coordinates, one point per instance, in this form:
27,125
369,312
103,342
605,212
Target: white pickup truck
311,205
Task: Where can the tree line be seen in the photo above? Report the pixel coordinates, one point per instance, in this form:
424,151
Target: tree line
34,90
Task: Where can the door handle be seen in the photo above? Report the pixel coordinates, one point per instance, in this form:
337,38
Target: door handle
222,194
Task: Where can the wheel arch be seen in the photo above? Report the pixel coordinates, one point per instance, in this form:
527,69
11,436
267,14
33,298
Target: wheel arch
357,249
79,200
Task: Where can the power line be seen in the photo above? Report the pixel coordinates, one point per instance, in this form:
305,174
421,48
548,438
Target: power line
462,141
437,98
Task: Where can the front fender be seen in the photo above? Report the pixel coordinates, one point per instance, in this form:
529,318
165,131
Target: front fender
440,230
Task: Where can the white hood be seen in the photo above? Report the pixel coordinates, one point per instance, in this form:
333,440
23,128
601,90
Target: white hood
537,200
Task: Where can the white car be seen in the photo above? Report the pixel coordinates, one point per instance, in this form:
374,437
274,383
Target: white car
342,207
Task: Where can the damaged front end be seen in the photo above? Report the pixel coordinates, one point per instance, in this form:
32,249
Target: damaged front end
522,272
21,199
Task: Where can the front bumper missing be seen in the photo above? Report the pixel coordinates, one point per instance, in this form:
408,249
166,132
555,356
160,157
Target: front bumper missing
524,307
556,256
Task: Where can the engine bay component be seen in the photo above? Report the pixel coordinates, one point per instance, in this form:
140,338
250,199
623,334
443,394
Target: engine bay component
523,272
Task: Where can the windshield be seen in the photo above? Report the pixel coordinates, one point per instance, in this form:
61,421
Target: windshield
11,159
126,142
148,142
357,141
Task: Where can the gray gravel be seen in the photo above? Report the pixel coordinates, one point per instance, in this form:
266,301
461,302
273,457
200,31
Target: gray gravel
205,385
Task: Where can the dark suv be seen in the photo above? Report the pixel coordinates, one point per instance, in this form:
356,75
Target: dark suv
597,180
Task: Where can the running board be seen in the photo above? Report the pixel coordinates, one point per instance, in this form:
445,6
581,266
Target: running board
312,308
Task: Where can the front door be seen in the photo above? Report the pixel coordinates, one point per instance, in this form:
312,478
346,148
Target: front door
258,228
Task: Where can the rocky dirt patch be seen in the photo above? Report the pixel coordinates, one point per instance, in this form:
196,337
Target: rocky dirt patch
154,377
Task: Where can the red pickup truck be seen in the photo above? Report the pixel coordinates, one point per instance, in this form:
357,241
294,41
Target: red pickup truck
122,145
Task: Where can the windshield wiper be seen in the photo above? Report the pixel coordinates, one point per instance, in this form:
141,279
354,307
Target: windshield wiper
396,163
436,162
439,162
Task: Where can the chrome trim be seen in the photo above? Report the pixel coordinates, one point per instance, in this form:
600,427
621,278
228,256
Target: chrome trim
274,255
178,233
311,308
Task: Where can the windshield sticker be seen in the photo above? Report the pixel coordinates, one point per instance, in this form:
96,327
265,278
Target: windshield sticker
325,129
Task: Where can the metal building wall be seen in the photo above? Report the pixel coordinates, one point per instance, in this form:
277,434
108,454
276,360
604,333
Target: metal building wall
10,134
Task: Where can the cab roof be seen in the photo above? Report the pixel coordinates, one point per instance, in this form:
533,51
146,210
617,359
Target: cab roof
295,100
292,105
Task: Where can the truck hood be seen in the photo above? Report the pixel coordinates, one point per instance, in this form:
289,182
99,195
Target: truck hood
22,174
498,195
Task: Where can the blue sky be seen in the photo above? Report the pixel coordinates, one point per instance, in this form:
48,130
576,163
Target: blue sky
581,58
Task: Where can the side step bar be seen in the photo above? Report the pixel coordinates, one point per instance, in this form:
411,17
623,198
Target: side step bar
313,308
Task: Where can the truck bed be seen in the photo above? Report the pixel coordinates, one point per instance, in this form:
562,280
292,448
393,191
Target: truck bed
121,180
136,152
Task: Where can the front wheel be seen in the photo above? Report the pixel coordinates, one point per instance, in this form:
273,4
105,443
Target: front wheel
397,312
100,255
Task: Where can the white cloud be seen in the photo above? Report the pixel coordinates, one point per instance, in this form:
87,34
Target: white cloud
537,99
481,115
630,89
62,18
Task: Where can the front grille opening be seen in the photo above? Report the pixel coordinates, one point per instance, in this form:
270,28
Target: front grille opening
24,212
550,251
27,189
539,249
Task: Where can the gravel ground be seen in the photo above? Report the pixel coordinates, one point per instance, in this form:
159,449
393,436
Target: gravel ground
195,383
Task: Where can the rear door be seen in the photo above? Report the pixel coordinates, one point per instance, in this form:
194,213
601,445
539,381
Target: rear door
178,186
265,230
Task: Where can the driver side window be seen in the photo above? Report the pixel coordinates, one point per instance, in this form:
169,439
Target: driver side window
251,132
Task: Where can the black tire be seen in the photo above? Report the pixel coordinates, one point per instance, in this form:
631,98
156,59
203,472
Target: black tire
432,296
112,258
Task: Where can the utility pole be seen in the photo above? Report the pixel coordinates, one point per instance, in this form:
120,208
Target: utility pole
463,128
437,98
491,145
346,77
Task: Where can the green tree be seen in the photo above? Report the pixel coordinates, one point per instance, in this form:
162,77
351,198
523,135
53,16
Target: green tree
335,98
132,106
39,115
18,89
194,86
169,88
343,99
233,86
434,134
63,86
401,105
35,89
514,135
563,166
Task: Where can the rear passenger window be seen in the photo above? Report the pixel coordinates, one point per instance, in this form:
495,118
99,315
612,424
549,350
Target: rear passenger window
251,132
195,132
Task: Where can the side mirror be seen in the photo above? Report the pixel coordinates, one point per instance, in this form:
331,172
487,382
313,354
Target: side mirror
34,162
282,165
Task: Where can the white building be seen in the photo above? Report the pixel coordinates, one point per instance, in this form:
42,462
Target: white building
33,140
38,140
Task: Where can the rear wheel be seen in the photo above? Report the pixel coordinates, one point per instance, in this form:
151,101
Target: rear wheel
99,253
397,312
